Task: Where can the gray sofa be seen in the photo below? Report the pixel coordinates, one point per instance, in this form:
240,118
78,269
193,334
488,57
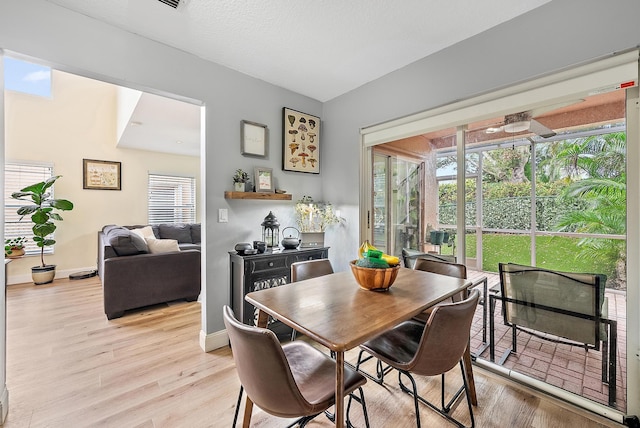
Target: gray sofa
135,274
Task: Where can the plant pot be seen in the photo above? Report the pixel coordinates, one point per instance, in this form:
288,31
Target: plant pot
436,237
15,253
43,275
238,187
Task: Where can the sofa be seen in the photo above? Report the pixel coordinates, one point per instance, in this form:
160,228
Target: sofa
146,265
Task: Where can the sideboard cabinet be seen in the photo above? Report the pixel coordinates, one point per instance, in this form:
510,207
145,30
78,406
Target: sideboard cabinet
259,271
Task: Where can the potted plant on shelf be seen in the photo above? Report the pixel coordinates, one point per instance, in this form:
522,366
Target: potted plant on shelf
14,247
43,215
240,179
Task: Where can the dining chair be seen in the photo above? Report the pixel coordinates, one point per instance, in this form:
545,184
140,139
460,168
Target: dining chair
308,269
431,349
294,380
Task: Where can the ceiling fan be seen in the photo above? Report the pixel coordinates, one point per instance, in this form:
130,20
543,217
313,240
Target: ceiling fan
522,121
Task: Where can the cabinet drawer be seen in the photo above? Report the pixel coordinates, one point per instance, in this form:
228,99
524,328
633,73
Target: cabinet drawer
268,264
315,255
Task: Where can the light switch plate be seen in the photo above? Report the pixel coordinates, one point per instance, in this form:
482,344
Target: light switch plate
223,215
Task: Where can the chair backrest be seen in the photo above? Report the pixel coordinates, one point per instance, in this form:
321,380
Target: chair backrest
441,267
409,257
564,304
310,269
445,337
263,368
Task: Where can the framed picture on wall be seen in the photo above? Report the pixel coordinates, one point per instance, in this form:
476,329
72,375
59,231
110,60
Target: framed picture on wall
301,142
100,175
264,180
254,139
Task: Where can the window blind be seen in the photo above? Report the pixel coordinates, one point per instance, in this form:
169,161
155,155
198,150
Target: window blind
18,176
172,199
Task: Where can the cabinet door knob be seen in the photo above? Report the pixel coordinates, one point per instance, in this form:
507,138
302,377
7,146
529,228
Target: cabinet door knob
310,258
270,264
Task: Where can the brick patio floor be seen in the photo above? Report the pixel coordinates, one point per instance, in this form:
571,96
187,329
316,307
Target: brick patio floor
572,368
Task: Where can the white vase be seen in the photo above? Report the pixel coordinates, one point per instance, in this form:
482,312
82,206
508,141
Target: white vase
238,187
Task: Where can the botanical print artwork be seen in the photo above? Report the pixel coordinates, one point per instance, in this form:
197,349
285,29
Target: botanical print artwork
301,142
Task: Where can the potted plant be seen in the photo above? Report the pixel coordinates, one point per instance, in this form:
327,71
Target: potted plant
43,215
240,178
14,247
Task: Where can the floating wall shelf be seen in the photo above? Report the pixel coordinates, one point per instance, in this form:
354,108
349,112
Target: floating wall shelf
258,195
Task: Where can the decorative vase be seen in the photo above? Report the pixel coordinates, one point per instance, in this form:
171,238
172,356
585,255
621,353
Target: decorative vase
238,187
43,275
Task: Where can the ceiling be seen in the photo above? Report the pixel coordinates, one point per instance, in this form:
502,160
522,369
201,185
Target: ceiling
337,45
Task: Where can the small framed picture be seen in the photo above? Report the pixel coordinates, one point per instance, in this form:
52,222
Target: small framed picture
254,139
100,175
264,179
300,142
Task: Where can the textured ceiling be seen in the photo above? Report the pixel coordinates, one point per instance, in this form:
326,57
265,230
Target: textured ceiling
321,49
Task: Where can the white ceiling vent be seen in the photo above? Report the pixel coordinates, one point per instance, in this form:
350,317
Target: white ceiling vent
172,3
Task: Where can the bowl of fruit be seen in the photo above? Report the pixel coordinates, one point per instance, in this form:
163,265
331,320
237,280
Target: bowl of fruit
374,270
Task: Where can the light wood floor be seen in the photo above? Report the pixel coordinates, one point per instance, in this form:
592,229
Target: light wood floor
67,366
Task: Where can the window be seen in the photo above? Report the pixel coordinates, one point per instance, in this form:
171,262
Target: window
22,76
19,176
172,199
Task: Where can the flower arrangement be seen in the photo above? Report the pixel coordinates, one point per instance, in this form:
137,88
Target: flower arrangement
314,216
240,176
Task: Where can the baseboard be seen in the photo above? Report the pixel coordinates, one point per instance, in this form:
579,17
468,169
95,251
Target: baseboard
60,273
4,405
213,341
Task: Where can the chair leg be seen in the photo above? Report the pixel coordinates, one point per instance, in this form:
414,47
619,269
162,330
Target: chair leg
380,370
414,393
360,400
235,416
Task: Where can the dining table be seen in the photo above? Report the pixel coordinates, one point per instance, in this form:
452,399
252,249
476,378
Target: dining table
334,311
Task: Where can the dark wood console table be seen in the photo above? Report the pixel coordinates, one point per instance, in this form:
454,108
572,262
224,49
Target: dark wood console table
260,271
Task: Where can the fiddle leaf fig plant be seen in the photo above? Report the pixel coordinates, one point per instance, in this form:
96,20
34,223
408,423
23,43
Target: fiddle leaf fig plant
42,211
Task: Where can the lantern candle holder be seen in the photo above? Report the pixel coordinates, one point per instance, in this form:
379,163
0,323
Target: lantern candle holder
271,230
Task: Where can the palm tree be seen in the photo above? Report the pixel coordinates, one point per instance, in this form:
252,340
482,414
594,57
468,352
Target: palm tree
602,160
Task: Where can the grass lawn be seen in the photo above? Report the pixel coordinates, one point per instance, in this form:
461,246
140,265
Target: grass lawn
558,253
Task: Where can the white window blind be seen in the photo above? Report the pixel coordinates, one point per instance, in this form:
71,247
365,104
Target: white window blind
172,199
18,176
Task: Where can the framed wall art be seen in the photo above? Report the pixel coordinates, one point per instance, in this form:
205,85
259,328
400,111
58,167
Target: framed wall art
301,142
264,179
254,139
100,175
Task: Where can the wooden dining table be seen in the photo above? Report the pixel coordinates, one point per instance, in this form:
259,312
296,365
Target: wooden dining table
334,311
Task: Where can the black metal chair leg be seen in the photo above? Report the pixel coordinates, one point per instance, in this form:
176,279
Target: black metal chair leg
235,416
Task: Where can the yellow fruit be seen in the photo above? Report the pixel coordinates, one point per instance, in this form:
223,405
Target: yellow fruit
366,246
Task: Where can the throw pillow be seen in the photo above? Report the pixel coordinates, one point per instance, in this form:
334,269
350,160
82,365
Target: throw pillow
145,232
162,245
178,231
124,242
195,233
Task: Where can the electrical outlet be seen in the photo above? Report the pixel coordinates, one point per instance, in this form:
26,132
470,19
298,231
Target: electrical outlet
223,215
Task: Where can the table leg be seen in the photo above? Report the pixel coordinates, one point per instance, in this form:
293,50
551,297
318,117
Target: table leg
263,318
466,359
339,389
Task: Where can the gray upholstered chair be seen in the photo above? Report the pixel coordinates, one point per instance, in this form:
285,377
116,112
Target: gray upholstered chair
431,349
294,380
307,269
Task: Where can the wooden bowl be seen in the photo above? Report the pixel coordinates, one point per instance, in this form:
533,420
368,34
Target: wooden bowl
374,279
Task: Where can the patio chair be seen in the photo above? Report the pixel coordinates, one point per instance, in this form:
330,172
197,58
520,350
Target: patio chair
294,380
569,306
431,349
410,256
